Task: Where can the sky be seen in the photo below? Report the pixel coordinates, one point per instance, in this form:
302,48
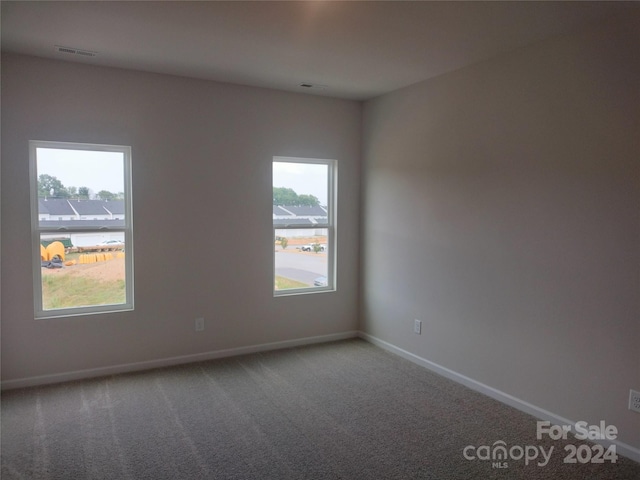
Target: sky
304,178
83,168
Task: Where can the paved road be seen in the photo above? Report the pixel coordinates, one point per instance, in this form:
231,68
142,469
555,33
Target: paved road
303,267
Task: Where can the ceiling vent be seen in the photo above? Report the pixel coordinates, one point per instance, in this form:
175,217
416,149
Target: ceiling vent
313,86
75,51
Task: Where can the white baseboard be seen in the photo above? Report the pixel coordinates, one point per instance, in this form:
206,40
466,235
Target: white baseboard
622,448
167,362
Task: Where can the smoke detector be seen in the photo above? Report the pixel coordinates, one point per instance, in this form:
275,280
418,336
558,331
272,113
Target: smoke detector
75,51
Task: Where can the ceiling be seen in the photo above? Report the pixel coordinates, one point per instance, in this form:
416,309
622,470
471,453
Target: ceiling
354,50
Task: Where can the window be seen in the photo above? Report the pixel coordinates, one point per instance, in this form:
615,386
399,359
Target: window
303,225
83,256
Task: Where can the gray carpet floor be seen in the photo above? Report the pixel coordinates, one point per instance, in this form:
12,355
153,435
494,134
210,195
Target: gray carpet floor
343,410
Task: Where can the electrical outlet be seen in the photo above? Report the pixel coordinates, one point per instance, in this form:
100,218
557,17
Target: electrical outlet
417,326
634,401
199,324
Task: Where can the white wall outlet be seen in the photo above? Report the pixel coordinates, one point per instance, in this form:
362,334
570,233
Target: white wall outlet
199,324
634,401
417,326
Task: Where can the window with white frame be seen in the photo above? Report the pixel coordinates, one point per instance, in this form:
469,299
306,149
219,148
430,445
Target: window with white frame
304,225
81,228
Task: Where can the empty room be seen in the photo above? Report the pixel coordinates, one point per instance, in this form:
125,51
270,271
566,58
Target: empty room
448,285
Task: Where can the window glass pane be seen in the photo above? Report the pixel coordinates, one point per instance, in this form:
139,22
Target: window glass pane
301,258
80,276
81,224
80,188
303,186
302,224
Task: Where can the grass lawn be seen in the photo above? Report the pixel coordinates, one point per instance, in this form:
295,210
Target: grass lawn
76,291
283,283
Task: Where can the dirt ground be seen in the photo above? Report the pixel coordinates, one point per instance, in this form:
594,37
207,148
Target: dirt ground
107,271
114,269
299,241
294,244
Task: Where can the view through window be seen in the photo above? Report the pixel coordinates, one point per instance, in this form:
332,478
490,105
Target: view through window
304,233
82,235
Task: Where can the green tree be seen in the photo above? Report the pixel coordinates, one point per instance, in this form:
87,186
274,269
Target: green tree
106,195
288,196
83,192
284,196
50,186
308,200
73,191
284,241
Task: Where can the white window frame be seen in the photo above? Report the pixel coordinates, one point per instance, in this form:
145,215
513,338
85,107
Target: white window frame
332,189
37,230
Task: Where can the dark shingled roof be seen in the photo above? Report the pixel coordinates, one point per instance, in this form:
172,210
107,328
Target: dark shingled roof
62,206
115,206
89,207
56,206
308,211
291,221
278,210
42,207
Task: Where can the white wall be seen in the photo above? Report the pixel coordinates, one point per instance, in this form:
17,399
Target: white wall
501,207
202,156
